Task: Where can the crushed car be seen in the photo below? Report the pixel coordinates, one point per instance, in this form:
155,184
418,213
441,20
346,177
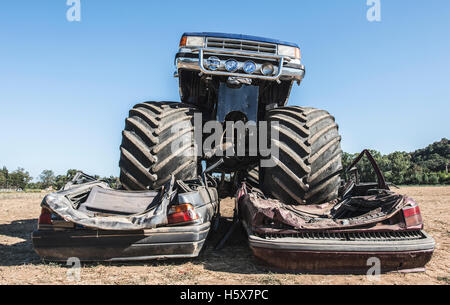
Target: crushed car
93,222
367,221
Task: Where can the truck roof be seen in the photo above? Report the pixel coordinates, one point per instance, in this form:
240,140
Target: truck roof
240,36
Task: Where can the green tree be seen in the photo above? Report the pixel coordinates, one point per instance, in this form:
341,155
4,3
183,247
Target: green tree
423,166
114,182
399,164
444,178
61,180
447,178
19,178
426,178
4,177
434,179
2,180
417,179
434,157
365,170
47,178
71,173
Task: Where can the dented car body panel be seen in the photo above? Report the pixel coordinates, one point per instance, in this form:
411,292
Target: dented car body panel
95,223
99,245
301,240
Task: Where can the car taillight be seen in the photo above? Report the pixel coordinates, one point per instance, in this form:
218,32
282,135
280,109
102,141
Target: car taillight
412,215
46,217
181,213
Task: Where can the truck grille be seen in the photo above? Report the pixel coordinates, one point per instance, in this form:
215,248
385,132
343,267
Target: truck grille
352,236
241,45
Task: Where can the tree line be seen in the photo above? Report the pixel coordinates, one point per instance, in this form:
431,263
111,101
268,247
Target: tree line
20,179
424,166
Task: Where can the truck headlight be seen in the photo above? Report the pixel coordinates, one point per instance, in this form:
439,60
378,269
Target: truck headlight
192,41
213,63
249,67
267,69
289,51
231,65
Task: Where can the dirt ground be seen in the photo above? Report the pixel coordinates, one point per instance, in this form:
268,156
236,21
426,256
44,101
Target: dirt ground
233,265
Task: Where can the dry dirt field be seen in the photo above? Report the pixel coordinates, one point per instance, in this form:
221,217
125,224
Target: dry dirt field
233,265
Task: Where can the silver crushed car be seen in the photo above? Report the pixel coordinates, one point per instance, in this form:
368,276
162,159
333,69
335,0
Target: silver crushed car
93,222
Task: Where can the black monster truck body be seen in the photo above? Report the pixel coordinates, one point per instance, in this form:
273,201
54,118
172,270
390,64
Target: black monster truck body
235,80
214,67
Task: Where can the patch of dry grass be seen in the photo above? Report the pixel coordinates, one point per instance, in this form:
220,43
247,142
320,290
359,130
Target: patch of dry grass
233,265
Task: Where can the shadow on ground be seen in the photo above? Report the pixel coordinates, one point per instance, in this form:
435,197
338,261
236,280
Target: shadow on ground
22,252
235,257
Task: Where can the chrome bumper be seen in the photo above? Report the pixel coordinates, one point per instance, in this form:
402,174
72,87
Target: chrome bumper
196,61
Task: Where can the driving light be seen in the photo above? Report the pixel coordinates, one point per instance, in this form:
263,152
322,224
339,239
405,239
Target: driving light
213,63
231,65
289,51
192,41
267,69
249,67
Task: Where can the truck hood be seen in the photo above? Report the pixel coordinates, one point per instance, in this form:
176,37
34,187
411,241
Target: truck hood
240,36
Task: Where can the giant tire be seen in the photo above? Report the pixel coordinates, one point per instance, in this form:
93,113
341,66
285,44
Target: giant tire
158,141
309,157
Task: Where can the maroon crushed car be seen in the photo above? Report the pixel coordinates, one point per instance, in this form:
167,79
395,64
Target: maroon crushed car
367,221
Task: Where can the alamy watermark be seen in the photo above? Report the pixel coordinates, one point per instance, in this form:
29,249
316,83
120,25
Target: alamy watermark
374,11
228,139
74,11
373,274
74,272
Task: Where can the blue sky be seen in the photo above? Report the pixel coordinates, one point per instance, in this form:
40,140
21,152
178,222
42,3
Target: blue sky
66,87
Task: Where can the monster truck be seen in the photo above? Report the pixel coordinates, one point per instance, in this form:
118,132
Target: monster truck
238,79
297,214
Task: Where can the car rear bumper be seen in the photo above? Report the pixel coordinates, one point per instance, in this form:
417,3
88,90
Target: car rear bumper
92,245
342,256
